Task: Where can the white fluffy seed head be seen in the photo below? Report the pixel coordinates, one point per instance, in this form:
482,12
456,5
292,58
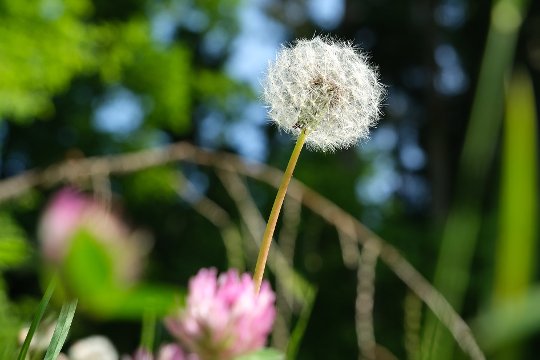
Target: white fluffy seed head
327,88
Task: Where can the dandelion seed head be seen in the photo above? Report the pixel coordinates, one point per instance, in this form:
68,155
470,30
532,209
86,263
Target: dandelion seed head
326,87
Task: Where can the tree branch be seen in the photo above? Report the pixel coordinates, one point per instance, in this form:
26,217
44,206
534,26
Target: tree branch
74,170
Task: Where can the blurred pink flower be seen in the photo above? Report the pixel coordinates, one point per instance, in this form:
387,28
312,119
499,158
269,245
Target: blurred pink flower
224,317
60,220
70,211
174,352
140,354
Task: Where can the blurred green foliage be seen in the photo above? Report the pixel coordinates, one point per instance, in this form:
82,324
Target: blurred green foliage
14,247
45,44
90,274
10,325
517,240
518,234
157,184
464,222
40,61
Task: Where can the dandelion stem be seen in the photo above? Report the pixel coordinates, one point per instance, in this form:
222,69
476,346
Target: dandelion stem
276,208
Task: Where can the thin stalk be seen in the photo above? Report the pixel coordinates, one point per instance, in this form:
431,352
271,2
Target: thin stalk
274,214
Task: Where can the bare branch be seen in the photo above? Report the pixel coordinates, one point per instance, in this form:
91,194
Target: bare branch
412,323
365,300
101,186
207,208
349,246
127,163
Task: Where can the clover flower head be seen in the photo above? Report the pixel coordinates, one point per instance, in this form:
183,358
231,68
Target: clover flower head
224,316
327,88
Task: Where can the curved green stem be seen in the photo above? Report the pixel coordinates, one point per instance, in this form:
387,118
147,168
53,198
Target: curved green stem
274,214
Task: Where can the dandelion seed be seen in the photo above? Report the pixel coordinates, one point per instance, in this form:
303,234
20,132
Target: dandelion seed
327,88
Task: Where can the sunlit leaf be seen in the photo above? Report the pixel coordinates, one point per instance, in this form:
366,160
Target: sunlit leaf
165,78
9,325
153,184
516,243
264,354
518,210
90,275
14,248
508,321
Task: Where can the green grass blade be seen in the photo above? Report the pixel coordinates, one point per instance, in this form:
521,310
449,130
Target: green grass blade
516,243
301,326
508,321
61,330
148,333
37,318
464,220
519,211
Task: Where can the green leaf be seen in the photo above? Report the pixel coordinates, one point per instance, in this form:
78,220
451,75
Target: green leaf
301,325
168,85
60,48
153,184
116,46
37,318
88,268
61,330
10,323
517,236
14,248
515,256
263,354
134,303
464,221
13,252
508,321
90,275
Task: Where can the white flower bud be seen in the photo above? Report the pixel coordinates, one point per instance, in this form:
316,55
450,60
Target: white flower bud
325,87
93,347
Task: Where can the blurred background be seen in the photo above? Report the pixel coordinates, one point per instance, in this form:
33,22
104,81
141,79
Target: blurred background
449,177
